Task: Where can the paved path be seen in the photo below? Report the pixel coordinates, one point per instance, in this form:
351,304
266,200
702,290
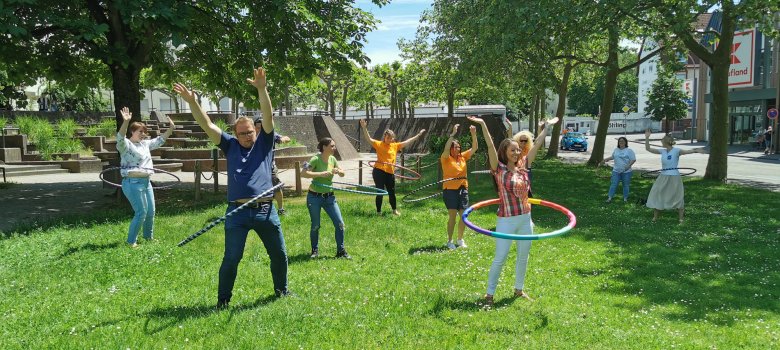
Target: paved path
745,165
39,198
42,197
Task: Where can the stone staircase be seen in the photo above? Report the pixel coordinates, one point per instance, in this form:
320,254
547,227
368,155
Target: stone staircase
13,170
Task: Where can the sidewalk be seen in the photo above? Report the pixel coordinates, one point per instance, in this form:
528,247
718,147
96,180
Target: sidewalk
745,166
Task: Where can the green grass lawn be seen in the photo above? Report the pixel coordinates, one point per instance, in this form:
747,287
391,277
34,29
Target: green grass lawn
615,281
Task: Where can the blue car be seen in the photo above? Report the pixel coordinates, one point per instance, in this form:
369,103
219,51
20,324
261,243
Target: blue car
574,141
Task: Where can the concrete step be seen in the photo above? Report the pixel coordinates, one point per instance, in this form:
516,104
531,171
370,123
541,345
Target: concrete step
36,172
171,167
17,173
13,168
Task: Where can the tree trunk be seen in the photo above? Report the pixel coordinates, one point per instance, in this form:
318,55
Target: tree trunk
344,102
411,109
126,83
450,103
532,119
717,164
287,100
368,109
610,85
563,90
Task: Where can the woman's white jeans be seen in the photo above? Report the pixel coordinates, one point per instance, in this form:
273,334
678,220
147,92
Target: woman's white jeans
519,225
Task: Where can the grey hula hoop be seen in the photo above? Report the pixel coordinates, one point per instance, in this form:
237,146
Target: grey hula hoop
376,192
224,217
102,178
406,199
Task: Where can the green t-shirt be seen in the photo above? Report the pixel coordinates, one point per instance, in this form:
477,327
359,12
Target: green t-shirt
316,165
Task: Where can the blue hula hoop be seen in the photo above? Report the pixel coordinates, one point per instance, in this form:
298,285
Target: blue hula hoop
376,192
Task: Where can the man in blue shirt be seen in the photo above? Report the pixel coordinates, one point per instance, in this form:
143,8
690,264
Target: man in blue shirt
249,157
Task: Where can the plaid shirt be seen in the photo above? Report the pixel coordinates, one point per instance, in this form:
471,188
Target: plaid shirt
512,189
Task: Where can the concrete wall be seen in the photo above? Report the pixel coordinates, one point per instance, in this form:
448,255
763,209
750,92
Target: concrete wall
406,128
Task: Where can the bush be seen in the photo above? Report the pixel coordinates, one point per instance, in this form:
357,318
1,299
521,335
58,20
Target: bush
67,127
106,127
42,134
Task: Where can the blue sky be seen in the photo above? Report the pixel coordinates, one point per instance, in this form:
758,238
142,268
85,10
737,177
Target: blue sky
398,19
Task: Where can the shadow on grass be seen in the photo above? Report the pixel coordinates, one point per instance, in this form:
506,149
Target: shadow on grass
715,266
45,206
172,316
89,247
429,249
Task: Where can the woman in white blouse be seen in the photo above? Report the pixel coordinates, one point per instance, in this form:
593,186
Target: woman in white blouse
136,167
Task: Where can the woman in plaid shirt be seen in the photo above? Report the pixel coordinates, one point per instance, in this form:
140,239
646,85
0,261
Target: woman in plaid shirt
509,167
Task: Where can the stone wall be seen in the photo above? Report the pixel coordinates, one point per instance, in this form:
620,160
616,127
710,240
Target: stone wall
406,128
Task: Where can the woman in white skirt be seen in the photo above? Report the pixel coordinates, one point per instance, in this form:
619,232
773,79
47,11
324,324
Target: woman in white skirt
667,191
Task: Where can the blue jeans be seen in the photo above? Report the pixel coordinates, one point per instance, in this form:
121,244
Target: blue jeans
620,177
315,203
139,192
265,222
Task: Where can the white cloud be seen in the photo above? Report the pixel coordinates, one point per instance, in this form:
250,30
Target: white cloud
383,56
391,23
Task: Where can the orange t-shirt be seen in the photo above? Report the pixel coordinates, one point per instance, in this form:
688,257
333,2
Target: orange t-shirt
385,152
451,167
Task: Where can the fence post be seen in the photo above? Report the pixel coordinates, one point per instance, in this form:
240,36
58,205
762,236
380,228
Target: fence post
403,172
360,172
215,167
298,186
197,180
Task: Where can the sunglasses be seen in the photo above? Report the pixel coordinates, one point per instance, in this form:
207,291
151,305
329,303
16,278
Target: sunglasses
523,141
245,133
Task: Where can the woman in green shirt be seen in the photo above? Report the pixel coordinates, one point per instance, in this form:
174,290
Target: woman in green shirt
321,169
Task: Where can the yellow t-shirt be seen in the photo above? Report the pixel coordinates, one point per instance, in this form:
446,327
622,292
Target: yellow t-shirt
385,152
451,167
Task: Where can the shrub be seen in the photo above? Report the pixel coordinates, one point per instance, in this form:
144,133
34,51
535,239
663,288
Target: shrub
106,127
67,127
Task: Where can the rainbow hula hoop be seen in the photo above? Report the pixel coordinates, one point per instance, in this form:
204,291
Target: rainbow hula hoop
102,173
558,207
655,173
371,163
376,191
406,197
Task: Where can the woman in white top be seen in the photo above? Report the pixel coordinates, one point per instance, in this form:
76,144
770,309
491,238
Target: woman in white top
624,158
667,191
136,165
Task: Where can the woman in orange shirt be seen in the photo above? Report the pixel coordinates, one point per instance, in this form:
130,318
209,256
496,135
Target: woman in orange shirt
456,192
384,168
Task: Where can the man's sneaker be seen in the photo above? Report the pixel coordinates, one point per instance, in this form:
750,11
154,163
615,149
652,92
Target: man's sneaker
462,244
314,253
343,254
223,304
450,245
280,211
609,199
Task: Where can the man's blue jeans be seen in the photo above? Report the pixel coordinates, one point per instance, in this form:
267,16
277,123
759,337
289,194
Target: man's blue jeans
315,203
265,222
139,192
620,177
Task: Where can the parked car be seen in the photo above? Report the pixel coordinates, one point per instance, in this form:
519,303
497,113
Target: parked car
574,141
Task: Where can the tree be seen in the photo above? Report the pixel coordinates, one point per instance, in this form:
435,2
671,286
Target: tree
366,91
666,100
587,91
713,46
217,42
